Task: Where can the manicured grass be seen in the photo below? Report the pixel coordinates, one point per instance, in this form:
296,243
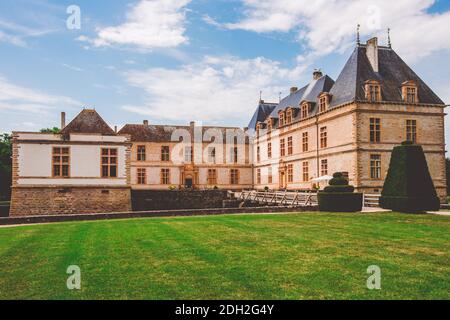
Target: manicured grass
295,256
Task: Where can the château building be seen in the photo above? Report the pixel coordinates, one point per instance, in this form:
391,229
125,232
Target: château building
349,125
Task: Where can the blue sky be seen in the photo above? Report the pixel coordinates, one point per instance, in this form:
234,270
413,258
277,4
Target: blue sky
173,61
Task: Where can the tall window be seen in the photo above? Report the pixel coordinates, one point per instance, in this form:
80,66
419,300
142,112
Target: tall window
165,176
165,153
61,162
258,153
375,130
305,143
269,175
283,147
323,104
212,176
234,155
281,116
290,173
305,110
324,167
290,146
411,94
141,176
289,116
411,131
375,166
188,155
234,176
141,153
323,137
373,92
109,163
305,171
269,150
258,176
212,155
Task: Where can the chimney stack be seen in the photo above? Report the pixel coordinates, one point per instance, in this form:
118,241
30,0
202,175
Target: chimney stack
115,129
372,53
317,74
294,90
145,122
63,120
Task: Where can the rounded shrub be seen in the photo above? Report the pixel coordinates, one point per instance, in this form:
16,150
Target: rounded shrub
339,196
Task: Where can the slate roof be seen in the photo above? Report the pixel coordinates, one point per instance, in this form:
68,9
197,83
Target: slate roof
163,133
349,86
261,113
88,121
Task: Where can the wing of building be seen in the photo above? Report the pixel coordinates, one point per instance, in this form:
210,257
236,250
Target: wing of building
350,125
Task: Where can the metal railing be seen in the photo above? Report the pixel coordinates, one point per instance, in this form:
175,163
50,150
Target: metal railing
371,200
280,198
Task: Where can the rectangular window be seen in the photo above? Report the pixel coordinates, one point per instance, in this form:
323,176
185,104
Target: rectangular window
165,176
283,147
109,163
305,143
375,130
212,155
289,116
290,173
234,176
290,146
188,155
212,176
258,154
258,176
324,167
411,95
305,111
323,137
305,171
411,131
270,176
281,115
374,93
234,155
141,176
375,166
269,150
141,154
61,162
165,153
323,104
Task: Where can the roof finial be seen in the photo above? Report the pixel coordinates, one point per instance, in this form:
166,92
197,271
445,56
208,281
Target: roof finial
389,38
358,40
279,96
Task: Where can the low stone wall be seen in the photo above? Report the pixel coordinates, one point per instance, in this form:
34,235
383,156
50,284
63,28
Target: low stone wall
144,200
148,214
37,201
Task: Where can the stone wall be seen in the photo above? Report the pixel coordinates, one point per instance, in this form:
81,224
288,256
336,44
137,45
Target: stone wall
32,201
144,200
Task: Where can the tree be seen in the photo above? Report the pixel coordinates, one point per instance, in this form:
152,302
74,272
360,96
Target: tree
5,166
51,130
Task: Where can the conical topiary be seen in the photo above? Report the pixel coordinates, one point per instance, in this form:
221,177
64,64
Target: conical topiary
408,186
339,196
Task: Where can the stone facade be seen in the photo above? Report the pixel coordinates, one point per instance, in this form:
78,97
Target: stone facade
77,200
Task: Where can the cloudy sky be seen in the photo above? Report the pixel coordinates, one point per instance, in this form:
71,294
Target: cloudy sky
173,61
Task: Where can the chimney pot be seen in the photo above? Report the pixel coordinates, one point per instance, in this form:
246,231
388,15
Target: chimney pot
63,120
317,74
294,90
115,129
372,53
145,122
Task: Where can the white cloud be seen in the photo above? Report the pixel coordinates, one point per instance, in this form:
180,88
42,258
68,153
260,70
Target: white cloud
216,89
17,98
326,26
149,24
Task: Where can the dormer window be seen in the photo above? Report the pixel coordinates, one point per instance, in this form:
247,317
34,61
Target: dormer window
289,115
409,92
258,128
281,116
324,100
305,110
270,125
373,91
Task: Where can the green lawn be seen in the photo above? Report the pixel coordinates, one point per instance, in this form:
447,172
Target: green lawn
295,256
